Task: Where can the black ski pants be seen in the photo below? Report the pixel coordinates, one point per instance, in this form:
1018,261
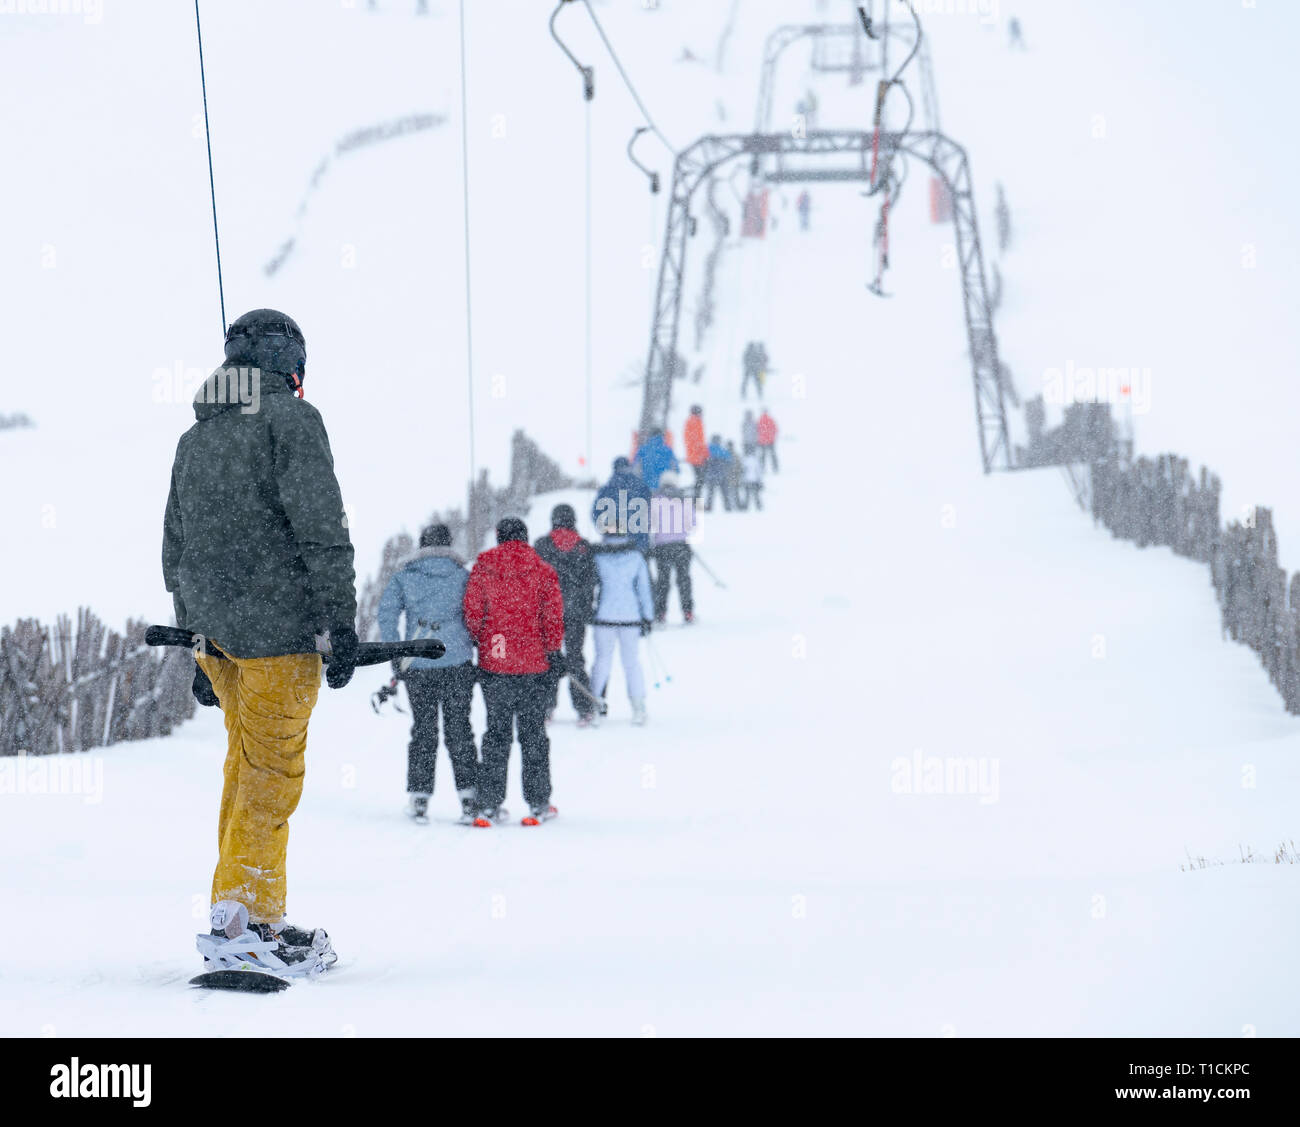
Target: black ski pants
515,699
452,690
667,557
575,667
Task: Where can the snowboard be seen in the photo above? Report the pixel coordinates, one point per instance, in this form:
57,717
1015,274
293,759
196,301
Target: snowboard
241,981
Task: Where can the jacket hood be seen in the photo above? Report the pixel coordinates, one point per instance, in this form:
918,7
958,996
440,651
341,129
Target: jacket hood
431,553
565,539
512,550
236,386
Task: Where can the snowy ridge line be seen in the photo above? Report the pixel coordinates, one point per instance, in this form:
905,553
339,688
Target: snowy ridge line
358,139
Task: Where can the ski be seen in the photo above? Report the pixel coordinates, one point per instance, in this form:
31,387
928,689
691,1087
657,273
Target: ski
536,818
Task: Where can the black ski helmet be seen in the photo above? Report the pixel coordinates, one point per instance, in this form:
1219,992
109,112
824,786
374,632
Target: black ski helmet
269,340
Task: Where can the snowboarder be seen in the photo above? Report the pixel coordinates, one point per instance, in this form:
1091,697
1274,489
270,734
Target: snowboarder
624,608
1016,35
716,475
672,520
257,557
767,431
515,612
697,450
755,365
625,496
571,558
654,458
428,590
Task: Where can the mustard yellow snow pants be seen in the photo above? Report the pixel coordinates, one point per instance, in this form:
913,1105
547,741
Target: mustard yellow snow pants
267,702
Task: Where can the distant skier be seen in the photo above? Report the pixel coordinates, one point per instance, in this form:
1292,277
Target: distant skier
735,486
627,497
573,562
755,367
654,458
428,592
748,433
767,431
624,609
1016,35
697,449
514,610
672,520
805,209
716,475
752,470
257,557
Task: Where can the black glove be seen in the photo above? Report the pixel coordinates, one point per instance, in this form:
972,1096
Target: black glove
202,688
646,627
557,663
343,656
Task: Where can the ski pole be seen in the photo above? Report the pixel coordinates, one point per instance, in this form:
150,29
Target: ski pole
708,570
575,684
650,660
654,654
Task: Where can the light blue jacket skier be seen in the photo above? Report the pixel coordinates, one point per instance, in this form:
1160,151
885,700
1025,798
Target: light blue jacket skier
429,590
625,597
624,611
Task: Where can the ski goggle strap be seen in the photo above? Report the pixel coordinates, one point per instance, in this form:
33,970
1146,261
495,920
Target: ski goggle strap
268,329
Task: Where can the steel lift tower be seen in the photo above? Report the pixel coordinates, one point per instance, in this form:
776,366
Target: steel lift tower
830,155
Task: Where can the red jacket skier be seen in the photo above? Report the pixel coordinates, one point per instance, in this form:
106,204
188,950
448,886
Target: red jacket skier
514,610
767,440
513,607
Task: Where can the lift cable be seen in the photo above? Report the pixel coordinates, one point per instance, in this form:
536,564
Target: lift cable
471,532
212,184
626,80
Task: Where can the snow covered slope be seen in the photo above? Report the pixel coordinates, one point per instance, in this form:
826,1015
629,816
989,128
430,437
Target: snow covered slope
764,857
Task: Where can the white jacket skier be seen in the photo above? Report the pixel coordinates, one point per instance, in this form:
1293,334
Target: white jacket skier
624,611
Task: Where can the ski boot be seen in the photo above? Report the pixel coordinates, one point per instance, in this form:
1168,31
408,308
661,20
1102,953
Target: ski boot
688,617
539,814
492,816
419,809
468,807
638,713
584,720
280,949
